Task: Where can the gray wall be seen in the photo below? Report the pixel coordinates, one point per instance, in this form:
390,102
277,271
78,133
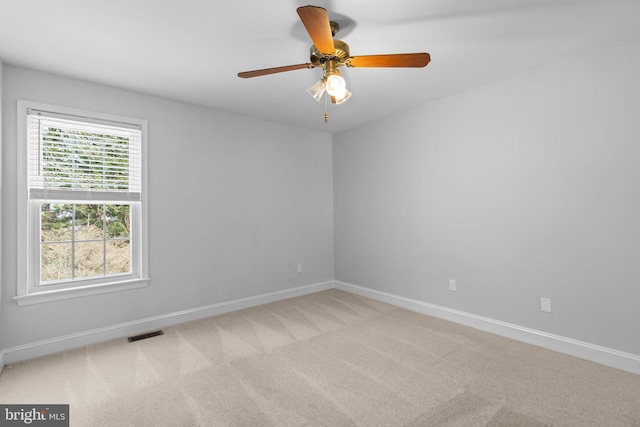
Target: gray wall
524,188
521,189
235,204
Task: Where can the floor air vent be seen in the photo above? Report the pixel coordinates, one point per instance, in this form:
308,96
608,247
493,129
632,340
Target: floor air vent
145,336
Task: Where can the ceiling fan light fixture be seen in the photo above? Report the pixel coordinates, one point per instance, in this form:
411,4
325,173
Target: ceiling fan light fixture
318,89
336,86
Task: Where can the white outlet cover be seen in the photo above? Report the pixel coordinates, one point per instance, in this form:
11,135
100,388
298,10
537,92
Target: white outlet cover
452,284
545,305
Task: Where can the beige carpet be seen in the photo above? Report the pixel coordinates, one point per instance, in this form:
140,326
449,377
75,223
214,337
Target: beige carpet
327,359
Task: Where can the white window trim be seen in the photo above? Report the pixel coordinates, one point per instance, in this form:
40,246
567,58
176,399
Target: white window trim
26,293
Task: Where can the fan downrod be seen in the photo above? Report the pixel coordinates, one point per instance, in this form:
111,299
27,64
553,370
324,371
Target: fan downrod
335,27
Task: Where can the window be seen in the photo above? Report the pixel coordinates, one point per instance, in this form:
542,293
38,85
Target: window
81,203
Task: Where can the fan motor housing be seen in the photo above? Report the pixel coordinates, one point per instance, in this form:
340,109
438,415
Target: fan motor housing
341,53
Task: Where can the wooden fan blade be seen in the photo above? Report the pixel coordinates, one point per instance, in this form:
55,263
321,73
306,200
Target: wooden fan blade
394,60
264,72
316,21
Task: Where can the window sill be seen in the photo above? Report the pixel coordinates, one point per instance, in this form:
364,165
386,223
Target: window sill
62,294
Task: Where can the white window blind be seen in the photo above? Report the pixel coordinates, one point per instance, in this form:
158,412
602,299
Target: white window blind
83,159
82,214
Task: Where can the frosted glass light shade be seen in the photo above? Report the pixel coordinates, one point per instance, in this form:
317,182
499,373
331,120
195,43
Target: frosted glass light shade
317,90
344,97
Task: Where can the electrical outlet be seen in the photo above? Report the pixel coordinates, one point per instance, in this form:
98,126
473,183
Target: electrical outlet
452,285
545,305
299,268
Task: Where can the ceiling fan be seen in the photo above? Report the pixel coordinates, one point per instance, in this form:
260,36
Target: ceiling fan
330,54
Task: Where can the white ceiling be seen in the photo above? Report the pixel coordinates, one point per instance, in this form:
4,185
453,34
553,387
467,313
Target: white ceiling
192,50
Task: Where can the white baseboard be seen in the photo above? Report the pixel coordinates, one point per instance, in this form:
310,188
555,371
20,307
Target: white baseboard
68,342
602,355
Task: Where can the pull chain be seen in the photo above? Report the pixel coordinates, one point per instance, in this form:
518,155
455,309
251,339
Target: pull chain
326,109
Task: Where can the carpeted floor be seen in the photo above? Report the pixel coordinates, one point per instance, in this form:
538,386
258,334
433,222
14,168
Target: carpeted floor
326,359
